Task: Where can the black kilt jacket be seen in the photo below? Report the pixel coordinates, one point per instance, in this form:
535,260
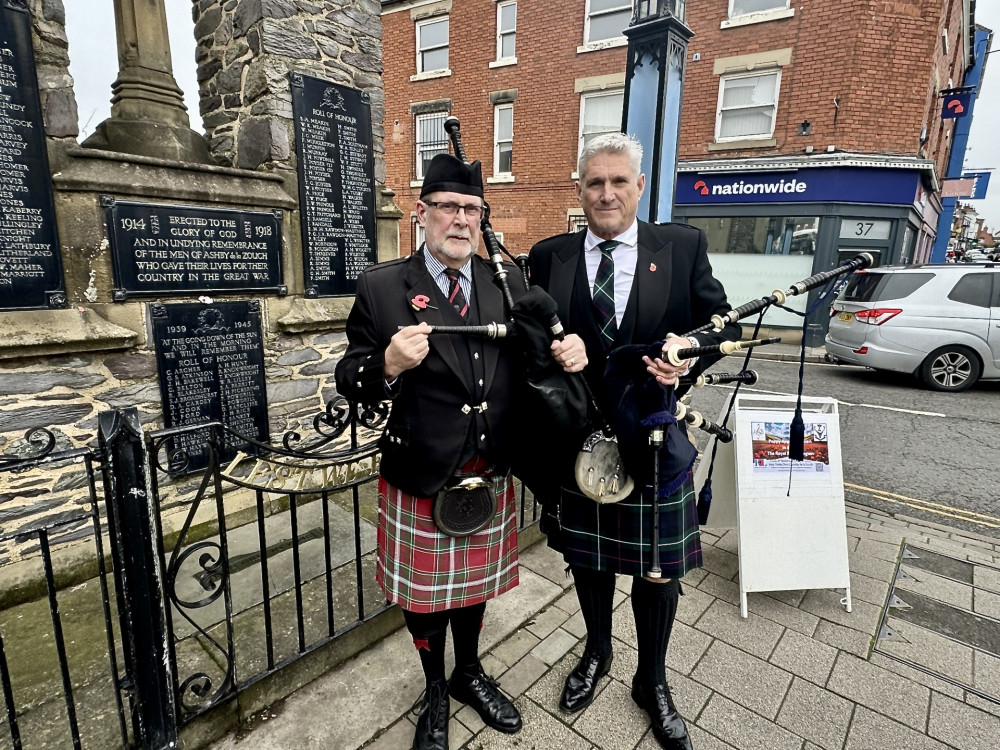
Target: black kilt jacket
430,417
673,292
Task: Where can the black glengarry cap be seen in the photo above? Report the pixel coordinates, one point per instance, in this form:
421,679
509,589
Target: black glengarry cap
446,173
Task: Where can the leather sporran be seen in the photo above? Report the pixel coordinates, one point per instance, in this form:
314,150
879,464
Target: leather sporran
465,508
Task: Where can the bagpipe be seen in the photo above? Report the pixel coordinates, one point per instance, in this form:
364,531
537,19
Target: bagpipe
568,427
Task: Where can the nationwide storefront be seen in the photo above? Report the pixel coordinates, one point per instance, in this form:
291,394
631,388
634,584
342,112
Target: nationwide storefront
773,223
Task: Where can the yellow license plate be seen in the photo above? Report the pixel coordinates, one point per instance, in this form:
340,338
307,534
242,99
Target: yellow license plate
846,317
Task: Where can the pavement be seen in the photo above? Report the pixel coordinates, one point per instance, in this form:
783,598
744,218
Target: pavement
915,664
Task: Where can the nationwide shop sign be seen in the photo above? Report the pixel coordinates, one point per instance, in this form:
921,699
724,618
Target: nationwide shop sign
818,185
955,106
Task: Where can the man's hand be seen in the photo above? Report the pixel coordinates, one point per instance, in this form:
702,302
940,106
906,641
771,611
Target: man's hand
406,350
664,372
570,353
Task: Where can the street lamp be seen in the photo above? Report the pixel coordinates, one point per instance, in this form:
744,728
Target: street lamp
654,81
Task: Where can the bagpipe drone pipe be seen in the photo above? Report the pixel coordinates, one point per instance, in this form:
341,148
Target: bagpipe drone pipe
760,307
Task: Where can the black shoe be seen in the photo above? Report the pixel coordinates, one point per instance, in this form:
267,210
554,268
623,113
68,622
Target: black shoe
668,726
432,724
581,683
483,694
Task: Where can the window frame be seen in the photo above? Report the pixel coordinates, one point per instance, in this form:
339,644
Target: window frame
501,33
626,5
584,96
784,6
497,172
419,149
723,80
420,51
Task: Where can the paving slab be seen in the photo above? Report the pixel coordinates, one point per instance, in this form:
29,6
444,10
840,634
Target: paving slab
613,720
804,657
540,730
743,729
880,690
962,726
873,731
747,680
755,635
816,714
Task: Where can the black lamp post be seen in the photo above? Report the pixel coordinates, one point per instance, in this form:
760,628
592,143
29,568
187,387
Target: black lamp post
654,81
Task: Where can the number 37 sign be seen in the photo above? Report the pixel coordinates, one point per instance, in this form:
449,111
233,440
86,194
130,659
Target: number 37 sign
865,229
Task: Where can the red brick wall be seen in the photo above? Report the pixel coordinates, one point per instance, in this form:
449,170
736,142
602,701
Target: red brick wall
862,73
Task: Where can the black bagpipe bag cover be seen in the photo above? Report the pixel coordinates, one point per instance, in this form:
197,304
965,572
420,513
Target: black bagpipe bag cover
640,402
554,411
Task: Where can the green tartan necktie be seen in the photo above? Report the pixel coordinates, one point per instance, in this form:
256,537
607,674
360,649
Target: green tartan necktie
604,293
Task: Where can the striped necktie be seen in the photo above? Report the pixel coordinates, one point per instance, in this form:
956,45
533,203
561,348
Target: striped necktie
455,294
604,293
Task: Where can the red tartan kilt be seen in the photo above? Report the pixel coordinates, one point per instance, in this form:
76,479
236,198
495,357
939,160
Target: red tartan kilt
423,570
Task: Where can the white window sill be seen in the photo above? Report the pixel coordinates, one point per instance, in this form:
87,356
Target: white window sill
762,17
574,175
431,74
499,179
618,41
503,62
420,183
762,142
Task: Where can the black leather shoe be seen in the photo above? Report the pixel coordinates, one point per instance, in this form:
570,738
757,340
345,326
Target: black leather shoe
483,694
668,726
432,724
581,683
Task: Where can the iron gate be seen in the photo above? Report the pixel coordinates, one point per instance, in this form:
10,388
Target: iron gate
229,561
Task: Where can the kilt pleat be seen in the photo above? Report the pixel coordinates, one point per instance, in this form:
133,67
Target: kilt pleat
616,537
423,570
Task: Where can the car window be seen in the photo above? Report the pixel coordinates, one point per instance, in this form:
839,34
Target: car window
866,287
973,289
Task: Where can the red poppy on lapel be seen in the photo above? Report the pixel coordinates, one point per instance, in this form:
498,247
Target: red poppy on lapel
652,267
420,302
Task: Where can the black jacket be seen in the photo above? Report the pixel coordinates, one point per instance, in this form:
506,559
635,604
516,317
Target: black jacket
431,404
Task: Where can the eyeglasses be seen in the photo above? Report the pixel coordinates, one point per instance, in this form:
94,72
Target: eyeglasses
450,209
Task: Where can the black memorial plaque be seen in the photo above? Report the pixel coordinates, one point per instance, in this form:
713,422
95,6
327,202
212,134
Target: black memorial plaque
333,135
159,249
30,264
210,359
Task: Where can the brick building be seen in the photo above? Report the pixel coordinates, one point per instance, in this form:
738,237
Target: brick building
842,98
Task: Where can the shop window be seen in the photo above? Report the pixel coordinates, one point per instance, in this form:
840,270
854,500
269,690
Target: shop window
760,235
746,7
606,19
431,140
503,139
600,113
747,106
506,30
432,45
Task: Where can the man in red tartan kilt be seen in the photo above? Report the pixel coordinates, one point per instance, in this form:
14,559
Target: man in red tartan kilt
623,282
450,420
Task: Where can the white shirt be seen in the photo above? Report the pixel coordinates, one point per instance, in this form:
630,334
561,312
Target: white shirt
626,255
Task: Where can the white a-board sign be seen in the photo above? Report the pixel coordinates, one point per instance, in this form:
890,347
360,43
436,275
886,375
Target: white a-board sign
790,515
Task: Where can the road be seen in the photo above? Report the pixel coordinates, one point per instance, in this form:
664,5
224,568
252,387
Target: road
906,449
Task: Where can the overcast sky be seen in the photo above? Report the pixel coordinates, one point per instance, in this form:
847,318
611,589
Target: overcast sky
91,30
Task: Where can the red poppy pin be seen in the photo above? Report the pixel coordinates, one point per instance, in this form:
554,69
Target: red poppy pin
652,267
420,302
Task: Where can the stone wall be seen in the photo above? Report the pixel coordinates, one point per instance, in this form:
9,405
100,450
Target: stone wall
246,51
60,368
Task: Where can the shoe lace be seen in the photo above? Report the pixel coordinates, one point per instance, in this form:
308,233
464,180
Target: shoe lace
435,698
494,686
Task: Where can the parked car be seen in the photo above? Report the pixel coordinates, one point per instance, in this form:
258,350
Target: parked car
939,322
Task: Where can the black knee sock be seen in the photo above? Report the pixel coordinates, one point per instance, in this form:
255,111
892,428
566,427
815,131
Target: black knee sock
596,591
654,606
466,623
429,630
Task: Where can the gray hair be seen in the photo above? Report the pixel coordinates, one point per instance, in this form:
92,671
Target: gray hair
612,143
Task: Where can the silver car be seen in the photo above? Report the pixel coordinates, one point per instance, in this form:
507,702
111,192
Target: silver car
939,322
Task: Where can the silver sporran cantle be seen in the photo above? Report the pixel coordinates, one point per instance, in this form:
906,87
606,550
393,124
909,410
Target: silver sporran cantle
599,471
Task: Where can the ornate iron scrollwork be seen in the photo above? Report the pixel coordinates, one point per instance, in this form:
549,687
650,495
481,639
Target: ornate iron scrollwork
42,441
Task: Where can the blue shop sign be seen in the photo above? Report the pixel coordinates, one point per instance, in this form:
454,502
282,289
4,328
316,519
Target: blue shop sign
841,184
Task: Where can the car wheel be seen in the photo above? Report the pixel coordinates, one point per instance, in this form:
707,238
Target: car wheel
950,368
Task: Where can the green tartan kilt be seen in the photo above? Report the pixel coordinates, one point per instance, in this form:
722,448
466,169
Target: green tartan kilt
617,537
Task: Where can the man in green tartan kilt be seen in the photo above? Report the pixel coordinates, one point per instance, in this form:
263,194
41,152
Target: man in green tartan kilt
623,282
